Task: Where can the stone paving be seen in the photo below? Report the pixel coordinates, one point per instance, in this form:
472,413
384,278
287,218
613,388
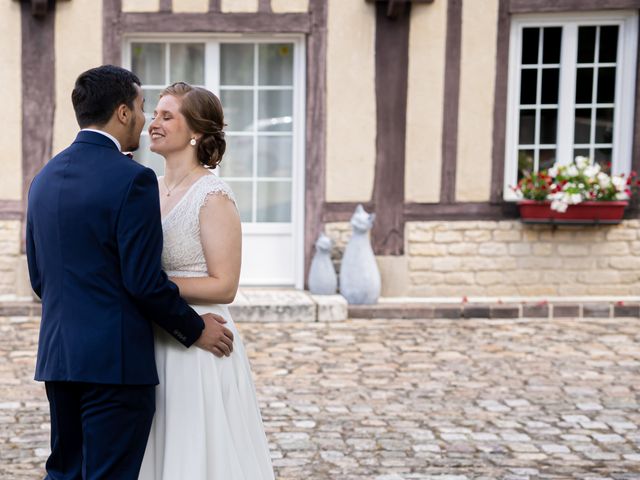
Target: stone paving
407,399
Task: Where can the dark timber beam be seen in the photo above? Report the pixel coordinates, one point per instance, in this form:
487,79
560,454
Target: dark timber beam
316,128
392,66
111,32
451,102
264,6
38,92
261,22
546,6
500,103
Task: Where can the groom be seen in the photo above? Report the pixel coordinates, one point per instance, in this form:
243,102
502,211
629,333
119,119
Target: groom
94,241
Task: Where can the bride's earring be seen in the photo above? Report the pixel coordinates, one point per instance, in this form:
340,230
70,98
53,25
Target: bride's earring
193,142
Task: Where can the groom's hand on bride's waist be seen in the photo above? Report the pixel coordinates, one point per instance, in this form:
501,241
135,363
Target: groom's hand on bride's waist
215,338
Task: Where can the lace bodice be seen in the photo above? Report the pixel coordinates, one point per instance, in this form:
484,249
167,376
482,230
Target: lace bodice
182,253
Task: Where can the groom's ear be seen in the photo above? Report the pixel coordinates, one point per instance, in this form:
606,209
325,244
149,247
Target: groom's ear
123,113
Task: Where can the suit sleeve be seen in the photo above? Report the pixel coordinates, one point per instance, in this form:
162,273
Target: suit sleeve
139,233
34,273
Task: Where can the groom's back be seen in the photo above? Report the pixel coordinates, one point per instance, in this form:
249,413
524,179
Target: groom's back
89,322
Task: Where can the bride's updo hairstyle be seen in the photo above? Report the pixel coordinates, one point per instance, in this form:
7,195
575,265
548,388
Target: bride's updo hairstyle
204,115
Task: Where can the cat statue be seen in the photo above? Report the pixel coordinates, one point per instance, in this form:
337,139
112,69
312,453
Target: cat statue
322,276
359,274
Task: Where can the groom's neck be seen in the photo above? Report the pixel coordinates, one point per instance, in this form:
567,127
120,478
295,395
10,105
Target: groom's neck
110,129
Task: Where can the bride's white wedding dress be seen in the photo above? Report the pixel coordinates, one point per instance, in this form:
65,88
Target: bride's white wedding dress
207,424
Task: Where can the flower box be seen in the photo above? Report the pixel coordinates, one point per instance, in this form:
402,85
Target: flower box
584,213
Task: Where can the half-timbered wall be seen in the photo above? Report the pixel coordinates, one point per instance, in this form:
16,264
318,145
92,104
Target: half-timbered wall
432,170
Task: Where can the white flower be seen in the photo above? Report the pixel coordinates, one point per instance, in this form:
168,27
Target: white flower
559,206
619,182
582,162
553,172
603,180
592,170
622,196
572,171
575,198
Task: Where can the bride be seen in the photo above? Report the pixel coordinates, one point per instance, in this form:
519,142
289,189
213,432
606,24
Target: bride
207,424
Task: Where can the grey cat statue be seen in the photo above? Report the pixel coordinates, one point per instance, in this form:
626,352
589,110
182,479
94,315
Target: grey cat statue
322,275
359,274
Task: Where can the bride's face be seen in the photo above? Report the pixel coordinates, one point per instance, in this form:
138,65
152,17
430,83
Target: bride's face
169,131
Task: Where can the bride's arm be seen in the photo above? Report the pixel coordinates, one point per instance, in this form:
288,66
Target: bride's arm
221,237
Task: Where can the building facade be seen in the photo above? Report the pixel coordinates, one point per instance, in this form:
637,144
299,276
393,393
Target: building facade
425,111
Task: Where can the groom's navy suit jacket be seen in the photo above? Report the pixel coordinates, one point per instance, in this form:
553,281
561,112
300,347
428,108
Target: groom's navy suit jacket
94,241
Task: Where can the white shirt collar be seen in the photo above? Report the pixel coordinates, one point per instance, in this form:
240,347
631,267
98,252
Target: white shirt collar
111,137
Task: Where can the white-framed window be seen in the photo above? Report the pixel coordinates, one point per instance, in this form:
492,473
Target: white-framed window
260,80
571,91
259,83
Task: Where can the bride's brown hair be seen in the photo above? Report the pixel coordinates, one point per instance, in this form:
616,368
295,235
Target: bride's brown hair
204,115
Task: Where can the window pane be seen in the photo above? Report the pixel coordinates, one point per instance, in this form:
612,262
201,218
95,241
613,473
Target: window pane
584,85
274,156
582,126
274,201
146,157
530,39
525,162
151,97
603,157
551,47
604,125
147,62
608,43
527,127
606,84
581,152
238,109
276,64
528,87
275,110
238,158
586,44
187,63
243,192
547,159
236,64
548,125
550,79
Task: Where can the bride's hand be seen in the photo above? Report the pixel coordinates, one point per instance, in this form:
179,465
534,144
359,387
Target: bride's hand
215,337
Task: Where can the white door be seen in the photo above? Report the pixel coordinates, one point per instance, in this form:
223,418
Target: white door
260,82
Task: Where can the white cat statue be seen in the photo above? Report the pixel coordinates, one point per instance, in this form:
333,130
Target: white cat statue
359,274
322,276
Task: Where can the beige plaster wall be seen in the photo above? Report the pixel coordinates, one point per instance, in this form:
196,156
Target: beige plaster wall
475,114
282,6
191,6
69,15
351,107
140,5
425,102
239,6
11,79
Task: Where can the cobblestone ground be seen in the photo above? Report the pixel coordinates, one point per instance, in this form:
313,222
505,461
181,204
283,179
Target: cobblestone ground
405,400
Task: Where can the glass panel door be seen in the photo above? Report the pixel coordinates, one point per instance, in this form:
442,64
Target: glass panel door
258,83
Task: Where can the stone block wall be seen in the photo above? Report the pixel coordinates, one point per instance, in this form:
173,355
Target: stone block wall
9,255
508,258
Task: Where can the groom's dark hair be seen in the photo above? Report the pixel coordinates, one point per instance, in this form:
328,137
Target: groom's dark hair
99,91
